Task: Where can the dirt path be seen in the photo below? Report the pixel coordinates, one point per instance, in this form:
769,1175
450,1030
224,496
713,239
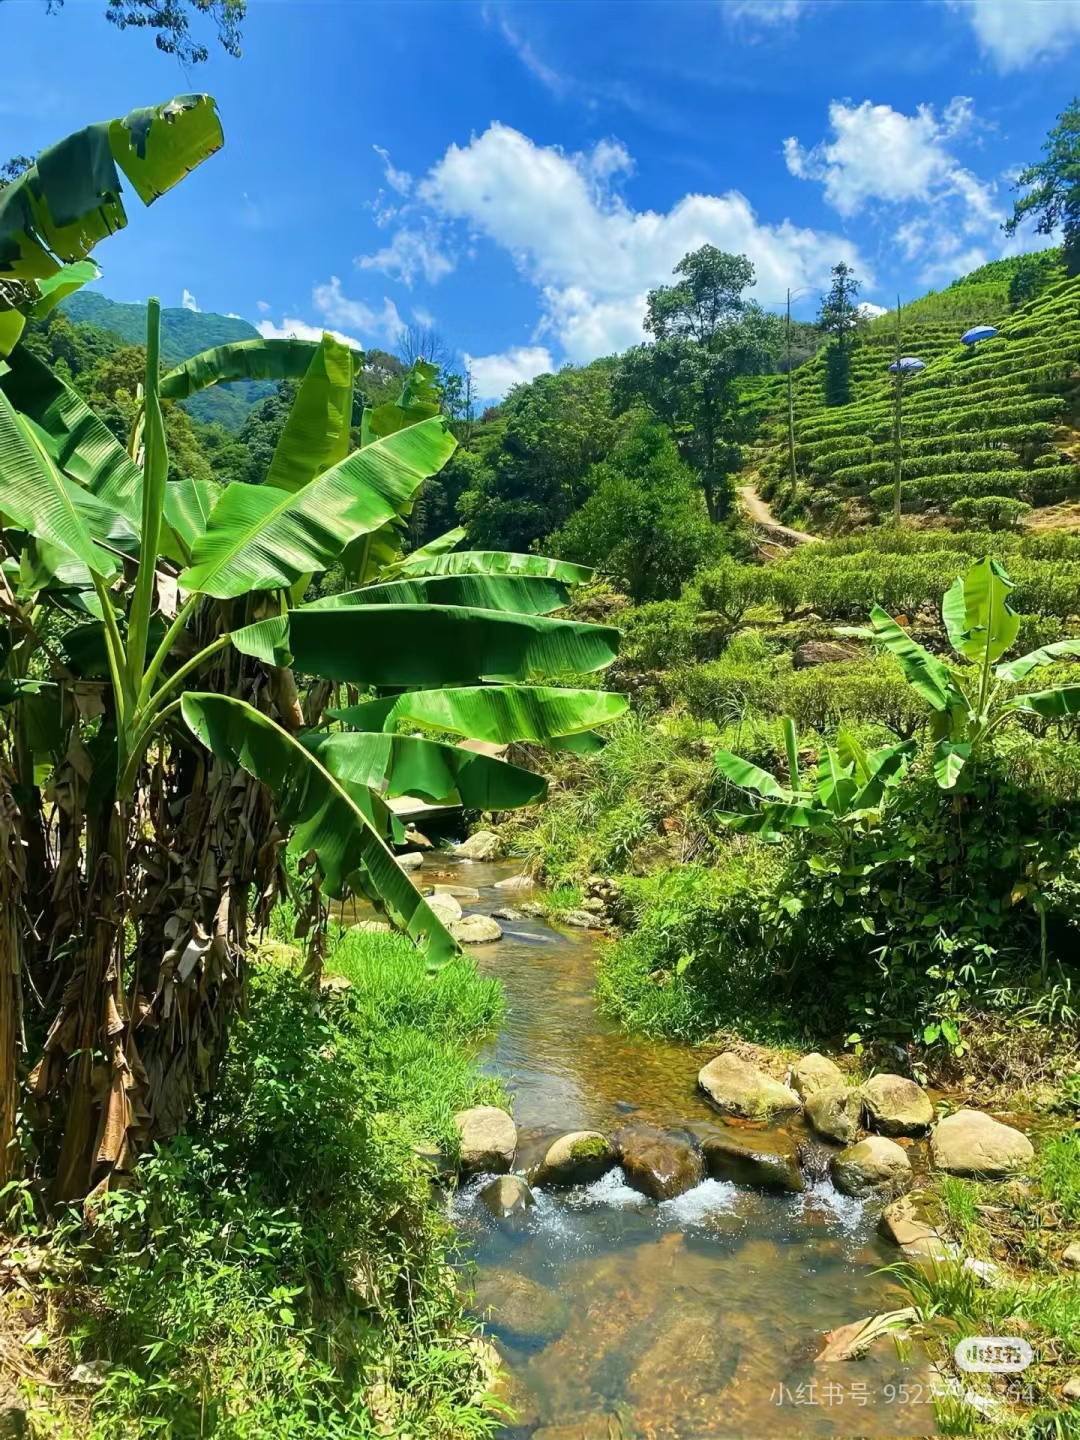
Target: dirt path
762,516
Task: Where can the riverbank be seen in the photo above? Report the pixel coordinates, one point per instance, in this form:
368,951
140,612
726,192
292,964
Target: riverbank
280,1270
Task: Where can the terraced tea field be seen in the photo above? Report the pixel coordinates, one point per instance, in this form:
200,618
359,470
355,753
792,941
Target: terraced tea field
993,421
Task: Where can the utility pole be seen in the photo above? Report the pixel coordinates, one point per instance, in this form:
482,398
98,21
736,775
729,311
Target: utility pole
791,408
898,449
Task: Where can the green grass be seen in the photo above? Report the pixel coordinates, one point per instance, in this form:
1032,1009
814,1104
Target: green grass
281,1270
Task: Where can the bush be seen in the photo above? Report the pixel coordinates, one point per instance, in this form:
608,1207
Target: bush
996,512
869,692
744,679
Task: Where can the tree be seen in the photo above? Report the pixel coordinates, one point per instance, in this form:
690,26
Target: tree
171,22
1053,188
423,342
707,336
644,522
838,318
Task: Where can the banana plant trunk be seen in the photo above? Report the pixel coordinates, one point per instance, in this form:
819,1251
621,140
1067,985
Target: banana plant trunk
12,920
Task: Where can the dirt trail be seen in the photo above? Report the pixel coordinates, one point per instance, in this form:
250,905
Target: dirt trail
762,516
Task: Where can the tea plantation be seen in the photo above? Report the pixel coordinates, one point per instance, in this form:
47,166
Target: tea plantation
982,426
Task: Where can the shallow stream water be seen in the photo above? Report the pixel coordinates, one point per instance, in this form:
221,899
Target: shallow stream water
697,1317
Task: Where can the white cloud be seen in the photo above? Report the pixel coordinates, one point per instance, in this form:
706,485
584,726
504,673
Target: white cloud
766,12
1014,33
399,180
869,311
412,252
187,300
594,258
338,309
232,315
878,153
548,77
493,375
292,329
263,307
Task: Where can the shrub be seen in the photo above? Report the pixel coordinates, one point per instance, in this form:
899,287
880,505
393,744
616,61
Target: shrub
996,512
871,691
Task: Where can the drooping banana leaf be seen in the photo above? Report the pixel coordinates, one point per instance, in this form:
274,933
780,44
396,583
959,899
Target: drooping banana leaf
441,774
852,754
261,538
426,644
69,199
1051,704
12,324
979,620
371,556
51,289
239,360
499,714
749,777
521,594
324,818
886,768
924,672
440,545
37,498
1046,655
316,433
78,442
188,505
949,759
493,562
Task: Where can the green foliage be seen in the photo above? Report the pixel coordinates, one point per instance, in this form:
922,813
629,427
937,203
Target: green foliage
1053,188
995,512
643,522
282,1258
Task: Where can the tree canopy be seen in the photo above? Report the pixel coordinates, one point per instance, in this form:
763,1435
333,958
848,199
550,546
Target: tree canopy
1053,188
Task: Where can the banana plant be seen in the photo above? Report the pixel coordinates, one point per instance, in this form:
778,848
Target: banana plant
190,594
849,789
974,699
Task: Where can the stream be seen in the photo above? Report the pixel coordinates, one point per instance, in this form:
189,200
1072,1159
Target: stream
698,1316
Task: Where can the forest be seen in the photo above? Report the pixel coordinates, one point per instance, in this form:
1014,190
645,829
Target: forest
750,651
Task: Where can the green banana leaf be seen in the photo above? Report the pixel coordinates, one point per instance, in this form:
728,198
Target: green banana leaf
316,433
69,199
416,645
924,672
749,777
1051,704
262,538
77,441
442,774
51,289
1045,655
496,713
853,755
885,767
521,594
980,623
12,324
419,400
37,498
188,505
239,360
586,742
324,818
373,556
836,786
949,759
493,562
440,545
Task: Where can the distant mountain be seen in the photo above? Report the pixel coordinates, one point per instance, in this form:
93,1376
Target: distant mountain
183,334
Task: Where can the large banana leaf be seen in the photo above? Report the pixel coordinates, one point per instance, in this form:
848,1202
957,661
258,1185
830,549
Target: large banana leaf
1046,655
977,615
35,497
1051,704
419,400
749,777
406,765
886,767
924,672
78,443
416,645
188,507
523,594
240,360
836,787
492,562
949,759
261,538
316,433
500,714
70,198
324,817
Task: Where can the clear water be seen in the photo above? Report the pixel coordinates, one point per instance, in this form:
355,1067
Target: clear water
700,1316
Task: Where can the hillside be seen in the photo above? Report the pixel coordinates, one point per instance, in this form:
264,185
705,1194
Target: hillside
996,421
183,334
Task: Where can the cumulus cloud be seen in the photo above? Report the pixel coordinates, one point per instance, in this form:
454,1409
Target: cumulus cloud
869,311
187,300
493,375
292,329
413,252
1015,33
592,257
337,310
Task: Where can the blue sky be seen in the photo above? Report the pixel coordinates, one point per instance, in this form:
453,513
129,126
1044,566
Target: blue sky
521,175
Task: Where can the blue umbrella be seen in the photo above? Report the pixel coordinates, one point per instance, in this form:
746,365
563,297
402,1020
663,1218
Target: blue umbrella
906,363
977,333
